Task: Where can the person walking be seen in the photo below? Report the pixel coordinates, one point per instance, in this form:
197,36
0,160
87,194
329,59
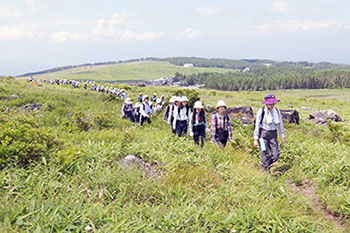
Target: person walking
146,111
181,117
168,108
268,122
128,110
140,97
171,115
220,126
198,123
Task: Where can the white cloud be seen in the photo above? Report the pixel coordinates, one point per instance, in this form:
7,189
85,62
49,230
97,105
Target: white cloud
16,33
208,10
298,25
282,6
35,7
106,28
9,12
189,33
129,35
64,36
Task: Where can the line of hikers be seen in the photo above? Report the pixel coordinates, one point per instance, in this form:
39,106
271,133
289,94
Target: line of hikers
182,118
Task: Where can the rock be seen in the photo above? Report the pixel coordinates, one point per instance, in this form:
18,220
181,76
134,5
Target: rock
306,108
243,113
291,115
322,117
13,97
132,162
32,107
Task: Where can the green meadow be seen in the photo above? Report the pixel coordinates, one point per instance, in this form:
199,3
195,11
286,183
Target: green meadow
59,170
130,71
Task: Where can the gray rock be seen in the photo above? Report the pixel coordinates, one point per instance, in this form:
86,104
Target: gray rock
322,117
291,115
132,162
13,97
243,113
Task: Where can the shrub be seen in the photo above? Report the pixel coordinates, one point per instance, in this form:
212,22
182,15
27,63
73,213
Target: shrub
23,141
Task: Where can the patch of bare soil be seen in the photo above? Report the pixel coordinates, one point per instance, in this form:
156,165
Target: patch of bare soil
309,190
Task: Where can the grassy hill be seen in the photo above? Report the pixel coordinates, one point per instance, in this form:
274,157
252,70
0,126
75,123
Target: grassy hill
130,71
71,182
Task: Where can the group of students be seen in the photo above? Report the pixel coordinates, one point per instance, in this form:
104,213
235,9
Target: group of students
268,125
143,109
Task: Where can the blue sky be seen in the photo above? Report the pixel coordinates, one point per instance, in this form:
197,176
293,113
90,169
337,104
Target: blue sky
41,34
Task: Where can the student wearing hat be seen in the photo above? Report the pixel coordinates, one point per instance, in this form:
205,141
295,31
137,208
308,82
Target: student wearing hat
268,122
198,123
146,111
137,112
172,110
181,117
154,97
159,107
128,110
167,108
140,98
220,125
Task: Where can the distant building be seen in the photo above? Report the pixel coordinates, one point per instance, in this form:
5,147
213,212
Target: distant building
246,70
188,65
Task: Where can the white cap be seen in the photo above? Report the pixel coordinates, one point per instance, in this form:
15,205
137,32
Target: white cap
154,93
128,101
184,98
198,104
221,103
172,99
177,99
137,105
159,101
145,97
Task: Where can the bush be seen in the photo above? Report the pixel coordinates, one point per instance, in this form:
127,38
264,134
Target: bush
22,141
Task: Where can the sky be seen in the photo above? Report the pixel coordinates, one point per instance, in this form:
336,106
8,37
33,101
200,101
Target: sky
42,34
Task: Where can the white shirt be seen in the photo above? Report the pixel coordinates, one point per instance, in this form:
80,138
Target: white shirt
182,116
145,109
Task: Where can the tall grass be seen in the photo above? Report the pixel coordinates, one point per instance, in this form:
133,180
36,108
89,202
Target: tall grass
81,187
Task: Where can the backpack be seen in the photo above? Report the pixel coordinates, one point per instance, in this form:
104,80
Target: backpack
263,114
216,120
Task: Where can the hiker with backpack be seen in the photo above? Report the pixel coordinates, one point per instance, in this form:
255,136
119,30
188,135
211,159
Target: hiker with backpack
268,122
137,112
198,123
181,117
171,115
146,111
128,110
220,125
154,98
140,97
168,108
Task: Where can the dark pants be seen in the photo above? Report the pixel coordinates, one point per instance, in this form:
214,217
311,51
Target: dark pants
199,131
137,118
272,152
171,125
143,119
221,137
130,115
181,128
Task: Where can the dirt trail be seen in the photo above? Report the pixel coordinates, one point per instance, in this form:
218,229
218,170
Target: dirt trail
309,190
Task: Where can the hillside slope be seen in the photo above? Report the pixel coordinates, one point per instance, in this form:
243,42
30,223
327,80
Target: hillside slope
130,71
75,183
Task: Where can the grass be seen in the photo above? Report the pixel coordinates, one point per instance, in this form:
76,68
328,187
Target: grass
201,190
131,71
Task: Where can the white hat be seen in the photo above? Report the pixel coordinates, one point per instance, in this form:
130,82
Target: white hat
172,99
184,98
198,104
145,97
128,101
221,103
158,101
177,99
154,93
137,105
